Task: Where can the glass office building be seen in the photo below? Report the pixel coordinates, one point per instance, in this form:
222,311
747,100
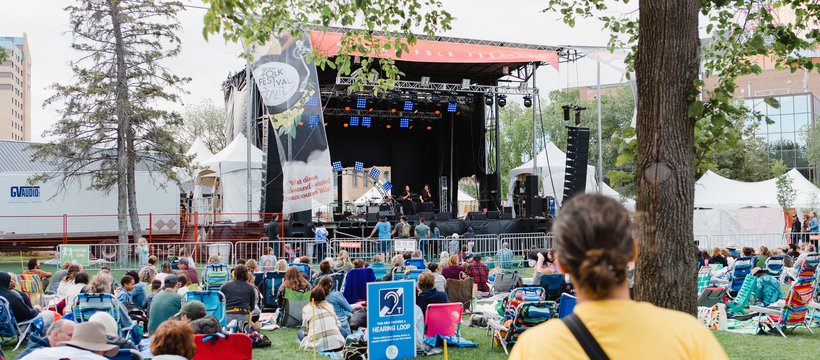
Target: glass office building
786,137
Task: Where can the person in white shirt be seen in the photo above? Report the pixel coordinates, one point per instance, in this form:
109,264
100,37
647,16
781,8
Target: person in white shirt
87,343
440,281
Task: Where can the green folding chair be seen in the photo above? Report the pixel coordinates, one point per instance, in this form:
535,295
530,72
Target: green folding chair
744,295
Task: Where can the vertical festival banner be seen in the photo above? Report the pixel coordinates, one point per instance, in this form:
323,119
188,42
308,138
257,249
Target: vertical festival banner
290,92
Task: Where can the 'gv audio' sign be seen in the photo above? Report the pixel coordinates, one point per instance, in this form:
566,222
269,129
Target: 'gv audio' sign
20,194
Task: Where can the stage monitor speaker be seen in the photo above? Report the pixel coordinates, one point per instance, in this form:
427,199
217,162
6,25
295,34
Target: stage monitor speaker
387,214
508,210
575,179
536,207
300,216
493,215
506,216
443,216
476,215
372,217
427,215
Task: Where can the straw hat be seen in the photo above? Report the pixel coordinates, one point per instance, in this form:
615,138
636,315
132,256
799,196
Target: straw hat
91,336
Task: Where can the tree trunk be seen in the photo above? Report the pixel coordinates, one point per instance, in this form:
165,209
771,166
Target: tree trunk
132,185
666,68
123,125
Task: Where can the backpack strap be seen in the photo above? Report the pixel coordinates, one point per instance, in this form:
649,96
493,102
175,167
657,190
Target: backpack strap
584,337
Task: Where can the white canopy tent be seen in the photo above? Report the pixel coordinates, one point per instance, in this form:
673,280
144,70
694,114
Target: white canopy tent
230,166
552,176
199,151
371,194
466,203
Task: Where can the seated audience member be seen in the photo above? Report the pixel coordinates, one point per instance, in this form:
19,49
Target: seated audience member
428,294
478,271
184,265
717,258
59,331
341,307
165,271
443,259
156,287
112,333
252,265
325,269
164,304
304,259
268,261
281,266
57,278
240,296
767,289
88,342
22,311
293,280
81,280
763,254
67,281
34,269
152,263
398,266
543,266
407,255
208,325
125,293
183,283
594,244
101,284
452,270
440,281
190,311
453,245
173,340
320,326
343,262
143,287
504,256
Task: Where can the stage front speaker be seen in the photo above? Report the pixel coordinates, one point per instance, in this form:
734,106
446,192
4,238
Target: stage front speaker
427,215
387,214
575,179
372,217
443,216
508,210
493,215
476,215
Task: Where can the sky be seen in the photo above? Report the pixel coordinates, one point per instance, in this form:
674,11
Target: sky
208,63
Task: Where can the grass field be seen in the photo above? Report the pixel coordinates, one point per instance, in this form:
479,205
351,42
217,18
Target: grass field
800,344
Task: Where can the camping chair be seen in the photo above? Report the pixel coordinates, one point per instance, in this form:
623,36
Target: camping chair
397,273
716,267
774,264
565,305
520,295
86,304
355,287
414,274
794,311
267,262
303,268
442,320
10,328
223,346
291,313
460,291
527,315
214,276
338,281
214,303
504,282
32,286
704,275
742,267
711,296
271,282
379,270
739,303
418,263
553,284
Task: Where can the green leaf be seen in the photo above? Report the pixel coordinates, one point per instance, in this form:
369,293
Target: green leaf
772,102
696,109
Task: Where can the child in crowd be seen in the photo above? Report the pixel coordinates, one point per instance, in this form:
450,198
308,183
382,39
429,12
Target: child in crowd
125,292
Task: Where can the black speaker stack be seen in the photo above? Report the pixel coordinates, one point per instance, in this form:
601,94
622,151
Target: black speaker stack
530,195
575,179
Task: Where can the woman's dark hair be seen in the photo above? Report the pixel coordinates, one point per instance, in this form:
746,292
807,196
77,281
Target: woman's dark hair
81,278
134,274
240,272
325,267
433,225
156,284
72,271
748,251
32,263
432,267
358,263
318,294
326,282
594,242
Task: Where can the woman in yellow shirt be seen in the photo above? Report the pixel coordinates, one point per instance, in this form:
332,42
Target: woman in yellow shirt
594,245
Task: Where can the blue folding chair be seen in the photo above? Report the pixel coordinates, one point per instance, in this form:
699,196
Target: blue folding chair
214,303
10,328
214,276
774,265
379,269
742,267
552,284
414,274
303,268
418,263
565,305
272,281
86,304
338,281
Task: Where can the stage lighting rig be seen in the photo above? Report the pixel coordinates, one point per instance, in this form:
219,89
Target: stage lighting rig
527,101
502,100
488,99
577,109
468,99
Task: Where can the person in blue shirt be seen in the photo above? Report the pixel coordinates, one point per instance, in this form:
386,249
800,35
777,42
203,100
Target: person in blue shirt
320,240
383,228
814,224
423,235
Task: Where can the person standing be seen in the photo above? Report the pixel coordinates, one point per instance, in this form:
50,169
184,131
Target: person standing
320,241
594,245
814,228
142,252
383,228
422,236
796,229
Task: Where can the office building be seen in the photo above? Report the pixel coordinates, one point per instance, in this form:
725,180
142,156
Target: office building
15,89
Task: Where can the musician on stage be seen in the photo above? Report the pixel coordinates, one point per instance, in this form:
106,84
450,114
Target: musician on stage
406,200
426,195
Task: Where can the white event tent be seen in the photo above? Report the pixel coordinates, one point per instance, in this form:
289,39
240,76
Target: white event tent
552,176
230,167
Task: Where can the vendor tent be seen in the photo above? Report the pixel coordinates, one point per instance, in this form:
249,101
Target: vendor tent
230,166
713,191
199,151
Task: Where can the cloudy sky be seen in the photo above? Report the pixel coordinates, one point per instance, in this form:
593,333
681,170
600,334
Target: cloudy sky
209,62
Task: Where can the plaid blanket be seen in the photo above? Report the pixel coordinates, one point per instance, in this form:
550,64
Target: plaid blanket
321,328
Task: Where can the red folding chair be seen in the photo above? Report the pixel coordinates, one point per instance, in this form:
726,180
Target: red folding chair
442,319
223,347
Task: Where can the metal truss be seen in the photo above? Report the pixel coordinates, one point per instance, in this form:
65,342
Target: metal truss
447,89
382,114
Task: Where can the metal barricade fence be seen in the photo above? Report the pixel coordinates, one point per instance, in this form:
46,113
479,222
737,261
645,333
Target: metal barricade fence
522,244
750,240
800,238
357,248
285,248
124,257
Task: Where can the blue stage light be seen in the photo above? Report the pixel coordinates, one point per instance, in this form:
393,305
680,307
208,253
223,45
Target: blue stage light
408,105
313,120
354,121
374,174
404,122
358,166
337,166
452,107
366,121
387,186
361,103
313,101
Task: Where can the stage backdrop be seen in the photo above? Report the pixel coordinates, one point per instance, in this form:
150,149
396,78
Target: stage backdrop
289,89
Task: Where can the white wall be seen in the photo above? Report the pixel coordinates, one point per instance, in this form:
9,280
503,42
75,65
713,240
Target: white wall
43,214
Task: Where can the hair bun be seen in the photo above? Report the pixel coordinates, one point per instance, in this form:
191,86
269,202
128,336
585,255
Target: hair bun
601,271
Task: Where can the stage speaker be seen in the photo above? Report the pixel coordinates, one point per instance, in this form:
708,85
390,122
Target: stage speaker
535,207
372,217
427,215
387,214
443,216
493,215
508,210
303,216
575,179
476,215
506,216
373,209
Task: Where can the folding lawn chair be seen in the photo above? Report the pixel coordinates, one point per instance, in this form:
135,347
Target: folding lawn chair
86,304
565,305
794,312
267,263
504,281
418,263
271,280
355,286
460,291
711,296
704,275
223,347
527,315
31,285
774,264
520,295
743,298
414,274
214,276
291,313
442,319
214,303
10,328
397,273
379,270
338,281
303,268
553,284
742,267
